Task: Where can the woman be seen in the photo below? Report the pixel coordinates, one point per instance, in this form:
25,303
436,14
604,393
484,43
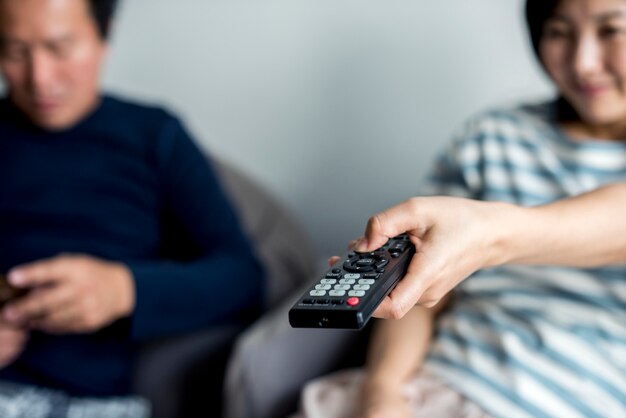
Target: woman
537,220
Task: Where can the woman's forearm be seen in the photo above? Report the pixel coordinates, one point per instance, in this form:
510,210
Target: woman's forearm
455,237
588,230
397,348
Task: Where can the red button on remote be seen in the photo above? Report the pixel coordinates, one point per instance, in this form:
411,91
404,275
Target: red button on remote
353,301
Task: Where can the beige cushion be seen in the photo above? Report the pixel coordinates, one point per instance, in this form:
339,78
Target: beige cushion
280,244
272,361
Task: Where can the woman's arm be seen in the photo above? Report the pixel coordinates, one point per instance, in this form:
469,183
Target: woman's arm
454,237
396,351
588,230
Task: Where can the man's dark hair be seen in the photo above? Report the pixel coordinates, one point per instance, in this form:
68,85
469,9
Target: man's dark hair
102,11
537,13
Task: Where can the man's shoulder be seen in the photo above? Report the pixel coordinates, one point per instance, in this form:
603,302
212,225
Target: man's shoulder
137,112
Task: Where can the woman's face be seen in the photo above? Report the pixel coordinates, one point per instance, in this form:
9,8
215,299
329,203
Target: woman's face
583,48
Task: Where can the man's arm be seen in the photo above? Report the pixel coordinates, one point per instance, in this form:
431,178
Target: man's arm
215,276
206,272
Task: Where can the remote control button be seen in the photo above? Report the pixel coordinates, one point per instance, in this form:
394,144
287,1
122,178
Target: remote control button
336,293
352,276
367,281
322,287
337,301
361,287
371,275
356,293
398,247
353,301
380,271
349,267
382,263
322,301
395,255
317,293
336,271
365,262
328,281
308,301
333,275
365,254
341,287
347,281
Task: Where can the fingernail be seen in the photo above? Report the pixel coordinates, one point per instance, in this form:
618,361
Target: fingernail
16,277
361,245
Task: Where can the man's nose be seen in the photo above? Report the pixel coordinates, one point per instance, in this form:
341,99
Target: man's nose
41,70
588,56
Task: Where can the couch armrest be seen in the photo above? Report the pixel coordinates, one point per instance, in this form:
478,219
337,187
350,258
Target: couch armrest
271,363
281,245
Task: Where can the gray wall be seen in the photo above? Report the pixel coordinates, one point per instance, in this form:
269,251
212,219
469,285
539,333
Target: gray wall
336,106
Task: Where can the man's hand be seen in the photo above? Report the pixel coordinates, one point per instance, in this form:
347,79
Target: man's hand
12,342
70,293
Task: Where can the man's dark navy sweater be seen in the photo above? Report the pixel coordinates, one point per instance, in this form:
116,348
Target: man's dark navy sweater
125,184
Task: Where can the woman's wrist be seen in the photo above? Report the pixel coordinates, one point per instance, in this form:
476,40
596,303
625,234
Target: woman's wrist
503,233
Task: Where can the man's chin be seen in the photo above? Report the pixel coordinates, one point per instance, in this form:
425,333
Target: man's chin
53,122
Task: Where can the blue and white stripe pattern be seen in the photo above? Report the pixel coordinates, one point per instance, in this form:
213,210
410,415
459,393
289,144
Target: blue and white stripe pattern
533,341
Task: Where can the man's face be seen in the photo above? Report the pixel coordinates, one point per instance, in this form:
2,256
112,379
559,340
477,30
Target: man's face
50,57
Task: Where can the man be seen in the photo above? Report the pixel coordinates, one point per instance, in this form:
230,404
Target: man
110,216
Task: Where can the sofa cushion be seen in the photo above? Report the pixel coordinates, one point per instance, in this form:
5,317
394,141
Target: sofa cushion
279,242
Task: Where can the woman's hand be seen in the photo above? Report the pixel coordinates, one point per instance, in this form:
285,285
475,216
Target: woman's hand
453,238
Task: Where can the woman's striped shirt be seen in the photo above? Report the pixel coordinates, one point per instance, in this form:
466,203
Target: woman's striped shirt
533,341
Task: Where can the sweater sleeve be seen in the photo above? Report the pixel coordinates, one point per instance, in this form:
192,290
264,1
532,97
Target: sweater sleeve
208,273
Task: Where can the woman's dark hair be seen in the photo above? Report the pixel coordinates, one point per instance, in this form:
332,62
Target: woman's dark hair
102,11
537,13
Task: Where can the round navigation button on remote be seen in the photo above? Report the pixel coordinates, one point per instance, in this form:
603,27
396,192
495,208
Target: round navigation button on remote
365,262
353,301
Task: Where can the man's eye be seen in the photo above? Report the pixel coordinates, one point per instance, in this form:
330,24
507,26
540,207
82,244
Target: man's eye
610,31
61,48
13,52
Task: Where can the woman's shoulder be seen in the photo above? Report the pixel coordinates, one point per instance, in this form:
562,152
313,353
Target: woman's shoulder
525,122
516,116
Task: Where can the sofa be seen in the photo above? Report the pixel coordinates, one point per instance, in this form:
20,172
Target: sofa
271,361
182,376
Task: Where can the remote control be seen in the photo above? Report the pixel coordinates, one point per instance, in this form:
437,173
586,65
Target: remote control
349,292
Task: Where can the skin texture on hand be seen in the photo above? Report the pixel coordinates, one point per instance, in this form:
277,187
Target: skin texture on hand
70,294
12,342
